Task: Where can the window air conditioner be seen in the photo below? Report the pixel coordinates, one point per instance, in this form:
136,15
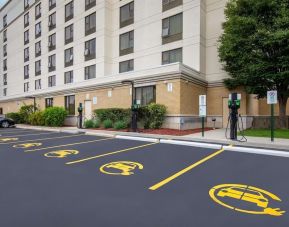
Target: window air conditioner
165,32
86,52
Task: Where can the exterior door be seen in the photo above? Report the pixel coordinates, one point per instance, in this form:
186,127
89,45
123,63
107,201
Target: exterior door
87,109
225,112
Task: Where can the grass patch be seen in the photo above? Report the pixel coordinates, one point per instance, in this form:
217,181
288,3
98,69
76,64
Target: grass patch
279,133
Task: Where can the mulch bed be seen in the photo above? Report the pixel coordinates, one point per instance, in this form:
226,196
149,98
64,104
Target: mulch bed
162,131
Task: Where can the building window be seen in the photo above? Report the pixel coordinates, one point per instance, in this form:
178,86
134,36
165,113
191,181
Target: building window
52,42
89,72
26,4
69,11
127,14
48,102
89,4
26,87
68,77
126,66
145,95
169,4
38,49
172,28
68,57
5,50
26,72
26,20
5,64
26,54
52,4
89,49
126,43
51,81
38,68
5,79
37,11
90,24
38,84
52,63
38,30
172,56
5,92
5,21
52,21
26,37
68,34
70,104
4,35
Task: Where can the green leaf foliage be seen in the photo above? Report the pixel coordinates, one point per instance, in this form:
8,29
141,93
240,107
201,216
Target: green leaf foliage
16,117
25,111
120,125
152,115
88,124
113,114
107,123
54,116
37,118
254,47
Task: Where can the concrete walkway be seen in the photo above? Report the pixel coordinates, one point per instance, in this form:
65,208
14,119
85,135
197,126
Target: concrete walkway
215,136
219,135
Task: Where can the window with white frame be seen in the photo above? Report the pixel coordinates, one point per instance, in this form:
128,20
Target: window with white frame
172,56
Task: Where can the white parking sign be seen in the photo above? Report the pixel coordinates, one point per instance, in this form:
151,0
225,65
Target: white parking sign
272,97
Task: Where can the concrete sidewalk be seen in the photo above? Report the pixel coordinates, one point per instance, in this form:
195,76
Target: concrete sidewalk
214,137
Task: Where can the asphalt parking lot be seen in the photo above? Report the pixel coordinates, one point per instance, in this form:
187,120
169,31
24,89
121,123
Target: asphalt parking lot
60,180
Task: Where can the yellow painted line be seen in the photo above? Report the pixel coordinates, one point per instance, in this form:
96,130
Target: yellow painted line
46,133
67,145
176,175
50,138
110,153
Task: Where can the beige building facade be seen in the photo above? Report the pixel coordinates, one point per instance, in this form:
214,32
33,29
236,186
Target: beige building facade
66,52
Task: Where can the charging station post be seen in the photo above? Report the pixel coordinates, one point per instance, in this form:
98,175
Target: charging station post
272,100
234,104
203,111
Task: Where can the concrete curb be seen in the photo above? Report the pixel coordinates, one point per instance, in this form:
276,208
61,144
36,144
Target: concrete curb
193,144
99,134
138,138
258,151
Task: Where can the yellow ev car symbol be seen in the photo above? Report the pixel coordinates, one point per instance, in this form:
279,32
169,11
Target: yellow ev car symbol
124,168
27,145
228,194
61,153
8,139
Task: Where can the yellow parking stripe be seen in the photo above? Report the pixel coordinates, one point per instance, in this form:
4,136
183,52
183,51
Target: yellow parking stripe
50,138
110,153
46,133
176,175
67,145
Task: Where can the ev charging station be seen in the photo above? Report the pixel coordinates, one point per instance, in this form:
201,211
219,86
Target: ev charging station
234,105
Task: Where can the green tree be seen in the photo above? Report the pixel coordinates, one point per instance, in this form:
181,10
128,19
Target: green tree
254,48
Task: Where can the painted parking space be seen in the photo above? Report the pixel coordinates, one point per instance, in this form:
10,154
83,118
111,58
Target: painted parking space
113,182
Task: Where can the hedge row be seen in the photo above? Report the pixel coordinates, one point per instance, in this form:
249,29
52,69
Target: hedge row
152,116
52,116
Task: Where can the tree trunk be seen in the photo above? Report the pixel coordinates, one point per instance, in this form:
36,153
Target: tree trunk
282,112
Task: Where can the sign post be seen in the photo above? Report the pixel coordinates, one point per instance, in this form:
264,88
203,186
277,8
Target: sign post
203,111
272,100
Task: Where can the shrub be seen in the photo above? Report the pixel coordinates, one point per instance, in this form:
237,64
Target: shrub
107,123
54,116
120,125
113,114
153,115
25,111
36,118
96,123
88,124
16,117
